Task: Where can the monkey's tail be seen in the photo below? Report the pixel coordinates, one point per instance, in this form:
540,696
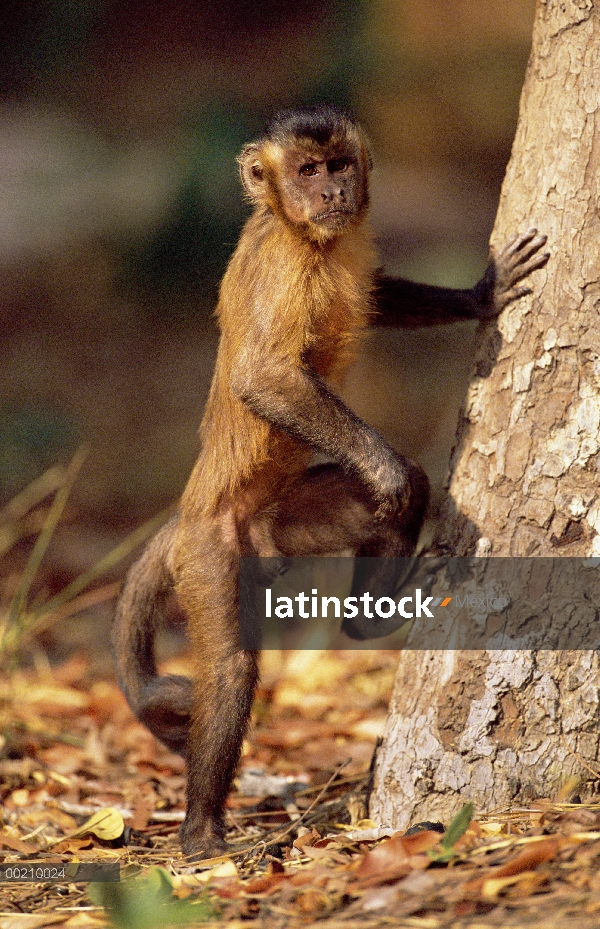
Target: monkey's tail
162,703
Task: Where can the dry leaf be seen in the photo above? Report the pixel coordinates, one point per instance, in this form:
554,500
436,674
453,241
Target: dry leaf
308,839
493,887
85,921
16,844
73,846
314,903
328,852
493,828
269,882
224,868
531,856
55,700
395,858
420,841
107,824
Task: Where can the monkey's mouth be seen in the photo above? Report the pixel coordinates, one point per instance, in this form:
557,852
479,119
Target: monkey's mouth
336,215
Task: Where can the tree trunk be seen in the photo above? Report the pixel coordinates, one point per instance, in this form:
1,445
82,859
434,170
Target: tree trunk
501,727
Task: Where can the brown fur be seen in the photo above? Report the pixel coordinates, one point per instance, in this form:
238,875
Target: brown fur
293,304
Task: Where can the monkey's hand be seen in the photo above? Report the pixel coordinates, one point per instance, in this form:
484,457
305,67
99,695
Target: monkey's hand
499,285
390,485
403,488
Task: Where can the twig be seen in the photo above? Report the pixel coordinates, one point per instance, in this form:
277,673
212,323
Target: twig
235,823
321,793
348,779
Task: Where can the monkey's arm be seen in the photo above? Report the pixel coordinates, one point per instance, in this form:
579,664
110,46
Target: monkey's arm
403,303
297,401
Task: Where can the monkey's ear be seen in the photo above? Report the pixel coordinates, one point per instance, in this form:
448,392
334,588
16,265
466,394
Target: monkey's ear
252,171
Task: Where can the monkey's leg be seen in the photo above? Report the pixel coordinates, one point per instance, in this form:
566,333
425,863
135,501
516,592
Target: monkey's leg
224,681
328,511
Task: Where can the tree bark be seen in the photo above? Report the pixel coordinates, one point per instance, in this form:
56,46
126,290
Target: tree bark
501,727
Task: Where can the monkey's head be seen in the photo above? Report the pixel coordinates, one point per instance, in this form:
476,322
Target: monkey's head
311,168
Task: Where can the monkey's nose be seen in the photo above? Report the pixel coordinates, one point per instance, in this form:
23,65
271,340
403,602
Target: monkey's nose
330,195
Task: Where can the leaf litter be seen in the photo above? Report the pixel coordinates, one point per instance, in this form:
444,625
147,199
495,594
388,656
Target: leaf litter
82,781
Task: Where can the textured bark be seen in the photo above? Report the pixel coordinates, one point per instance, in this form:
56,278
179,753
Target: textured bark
525,467
501,727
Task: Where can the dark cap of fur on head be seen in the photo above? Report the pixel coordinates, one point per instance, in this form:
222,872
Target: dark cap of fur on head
318,123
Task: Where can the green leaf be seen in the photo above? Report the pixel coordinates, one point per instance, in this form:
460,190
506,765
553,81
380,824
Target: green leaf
457,827
146,902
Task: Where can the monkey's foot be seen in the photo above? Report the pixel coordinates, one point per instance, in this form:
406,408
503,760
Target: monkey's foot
206,842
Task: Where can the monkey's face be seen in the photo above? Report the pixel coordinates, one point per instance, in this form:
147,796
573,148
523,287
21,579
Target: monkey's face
311,170
322,190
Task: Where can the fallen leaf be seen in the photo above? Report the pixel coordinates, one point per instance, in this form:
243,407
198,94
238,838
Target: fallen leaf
268,882
31,921
55,700
420,841
492,888
225,868
531,856
314,903
396,857
85,921
493,828
328,852
107,824
16,844
308,839
72,846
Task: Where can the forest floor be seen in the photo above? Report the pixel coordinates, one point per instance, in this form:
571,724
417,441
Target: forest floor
91,803
83,782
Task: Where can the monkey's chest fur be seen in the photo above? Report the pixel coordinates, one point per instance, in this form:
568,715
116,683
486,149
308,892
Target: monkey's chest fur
333,339
304,316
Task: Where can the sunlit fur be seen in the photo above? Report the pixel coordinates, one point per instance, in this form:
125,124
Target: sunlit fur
293,304
293,294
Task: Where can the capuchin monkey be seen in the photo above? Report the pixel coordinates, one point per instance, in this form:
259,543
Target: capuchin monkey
300,290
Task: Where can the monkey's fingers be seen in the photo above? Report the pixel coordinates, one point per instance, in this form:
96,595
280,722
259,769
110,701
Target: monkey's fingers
518,241
385,509
523,269
526,252
394,504
513,294
515,261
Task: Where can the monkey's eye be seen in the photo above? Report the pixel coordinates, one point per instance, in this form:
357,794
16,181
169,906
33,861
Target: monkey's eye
338,164
309,170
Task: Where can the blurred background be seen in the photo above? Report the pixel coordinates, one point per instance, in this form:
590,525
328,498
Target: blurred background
120,204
